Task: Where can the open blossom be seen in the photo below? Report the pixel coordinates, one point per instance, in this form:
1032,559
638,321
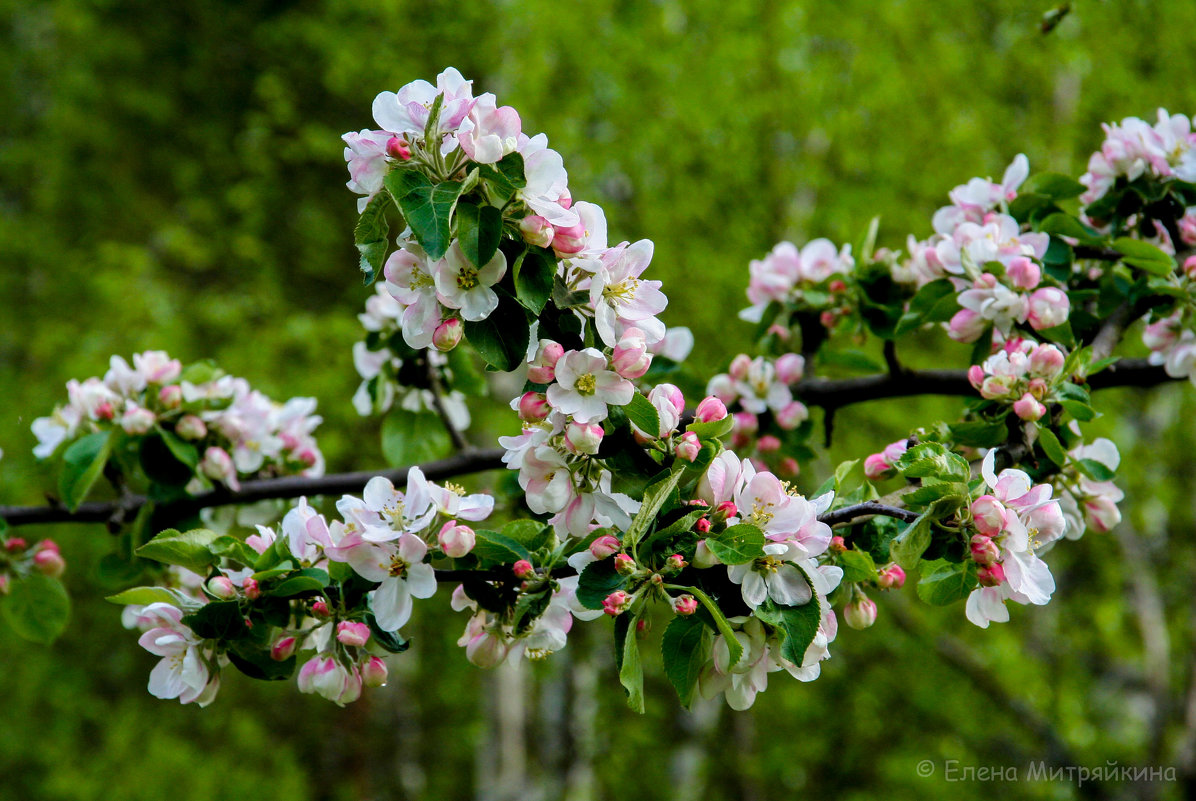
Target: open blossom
488,132
365,154
970,202
1133,148
409,279
461,285
585,387
183,672
406,111
621,299
547,183
742,681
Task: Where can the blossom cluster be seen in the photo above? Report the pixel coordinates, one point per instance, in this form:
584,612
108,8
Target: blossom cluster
760,392
18,558
1023,373
231,430
1134,147
811,279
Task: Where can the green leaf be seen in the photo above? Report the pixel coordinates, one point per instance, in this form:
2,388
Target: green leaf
643,415
907,549
255,662
654,498
857,566
157,458
147,595
979,433
531,534
390,640
497,549
1067,225
1052,447
309,579
219,620
413,437
83,462
506,177
715,429
427,207
479,228
186,549
946,582
631,671
1078,410
232,548
370,234
535,274
685,649
737,545
934,302
933,459
1144,256
502,337
734,648
1097,471
598,580
799,624
37,607
1054,185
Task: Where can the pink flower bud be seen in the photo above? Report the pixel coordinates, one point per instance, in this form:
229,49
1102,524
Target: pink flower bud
191,428
217,464
631,358
583,437
792,415
789,468
985,281
966,326
976,376
984,551
891,577
860,613
1190,268
1101,513
710,410
1028,408
105,411
1049,307
49,563
995,387
351,633
374,673
222,587
768,443
838,285
724,510
1038,388
989,515
1047,361
740,366
14,544
780,332
448,334
838,544
1024,273
320,609
675,563
746,423
991,575
486,649
688,447
876,468
567,241
533,406
616,603
702,526
171,396
456,540
137,420
281,651
542,369
703,556
252,589
827,319
790,368
624,564
685,604
523,569
398,148
604,546
536,231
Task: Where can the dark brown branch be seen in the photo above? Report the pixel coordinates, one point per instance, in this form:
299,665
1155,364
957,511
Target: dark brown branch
866,509
251,491
436,387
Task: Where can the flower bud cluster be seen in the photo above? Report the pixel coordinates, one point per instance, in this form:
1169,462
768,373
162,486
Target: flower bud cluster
1024,373
810,279
1133,148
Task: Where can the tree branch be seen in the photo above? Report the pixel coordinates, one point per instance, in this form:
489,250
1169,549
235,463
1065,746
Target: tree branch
473,461
436,387
866,509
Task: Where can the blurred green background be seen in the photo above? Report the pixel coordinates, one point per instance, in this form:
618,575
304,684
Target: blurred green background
171,177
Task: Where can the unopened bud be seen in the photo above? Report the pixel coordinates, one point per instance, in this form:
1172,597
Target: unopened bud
1049,307
533,407
1024,273
1047,361
448,334
49,563
624,564
252,589
604,546
725,510
455,539
631,357
984,551
839,285
746,423
768,443
373,672
789,467
351,633
616,603
523,569
583,437
991,575
675,563
740,366
860,613
105,411
838,544
702,526
877,469
688,447
827,319
891,577
1028,408
14,544
792,415
281,651
542,369
398,148
137,420
790,368
710,410
191,428
703,556
320,609
685,604
966,326
536,231
171,396
567,241
222,587
1190,267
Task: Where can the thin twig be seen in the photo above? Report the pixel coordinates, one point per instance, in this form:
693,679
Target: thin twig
866,509
436,388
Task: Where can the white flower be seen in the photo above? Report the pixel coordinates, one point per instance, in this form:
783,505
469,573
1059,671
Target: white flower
182,673
584,386
772,577
460,285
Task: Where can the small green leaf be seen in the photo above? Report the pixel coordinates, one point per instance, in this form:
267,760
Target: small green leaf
1080,411
631,671
1097,471
255,662
186,549
83,462
37,607
413,437
979,433
370,234
907,549
1052,447
715,429
1054,185
494,548
1067,225
934,302
945,582
219,620
502,337
147,595
427,207
654,498
857,566
643,415
737,545
799,624
479,229
390,640
531,534
535,275
598,580
309,579
685,649
1144,256
734,648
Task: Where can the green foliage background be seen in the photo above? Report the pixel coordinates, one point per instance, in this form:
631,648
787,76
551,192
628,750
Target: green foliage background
171,177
